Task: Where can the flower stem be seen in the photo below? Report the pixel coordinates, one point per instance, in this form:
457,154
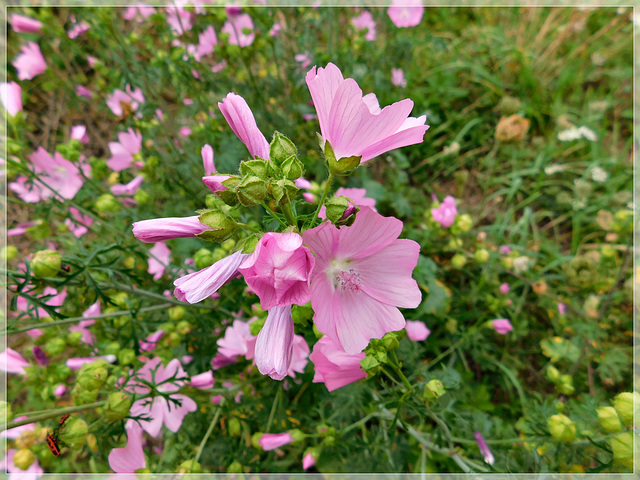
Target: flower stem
208,434
272,214
327,187
286,209
247,227
51,414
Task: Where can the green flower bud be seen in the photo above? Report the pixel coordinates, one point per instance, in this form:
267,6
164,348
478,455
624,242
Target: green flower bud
55,346
75,432
235,427
256,168
256,326
341,166
251,191
176,314
46,263
229,196
228,244
283,191
341,211
451,326
297,434
183,327
622,447
126,356
235,467
390,341
112,348
464,222
458,261
223,226
509,105
553,374
609,420
118,406
560,407
23,458
121,299
174,339
292,168
370,363
255,440
92,442
565,386
9,252
107,203
454,244
434,389
481,256
625,404
281,148
190,466
562,428
74,338
141,196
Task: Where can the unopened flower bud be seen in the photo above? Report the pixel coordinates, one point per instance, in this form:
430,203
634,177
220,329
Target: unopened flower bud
176,314
251,191
609,419
341,211
118,406
23,458
464,222
75,432
433,390
235,427
562,428
256,168
203,258
190,466
174,339
222,225
281,148
121,299
55,346
481,256
292,168
509,105
565,385
553,374
255,440
183,327
107,203
235,467
622,447
283,191
625,404
9,252
141,196
458,261
92,442
46,263
126,356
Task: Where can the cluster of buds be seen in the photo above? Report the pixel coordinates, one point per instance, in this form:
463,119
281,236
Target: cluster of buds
563,382
91,378
377,353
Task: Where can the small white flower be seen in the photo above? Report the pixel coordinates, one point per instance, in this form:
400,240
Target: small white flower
568,135
587,133
599,174
555,168
521,264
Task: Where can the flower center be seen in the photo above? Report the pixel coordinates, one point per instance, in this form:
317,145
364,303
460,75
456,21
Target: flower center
348,280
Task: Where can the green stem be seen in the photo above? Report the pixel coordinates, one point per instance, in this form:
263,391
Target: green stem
327,187
272,414
396,366
286,209
51,414
272,214
208,434
247,227
362,421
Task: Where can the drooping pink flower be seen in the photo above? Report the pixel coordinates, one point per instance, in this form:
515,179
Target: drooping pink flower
129,458
151,342
12,362
161,229
159,410
203,381
240,29
30,63
502,326
83,91
365,21
241,120
78,28
274,345
333,366
417,331
278,270
131,97
357,196
179,19
22,24
32,473
504,288
484,449
122,152
161,256
207,160
80,223
354,124
87,336
271,441
197,286
446,213
59,174
11,96
22,228
76,363
398,78
406,13
139,12
362,274
129,188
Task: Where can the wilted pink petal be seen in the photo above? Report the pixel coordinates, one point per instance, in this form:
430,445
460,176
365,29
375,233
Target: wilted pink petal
417,331
159,259
203,381
271,441
502,326
241,120
406,13
130,458
12,362
11,96
40,356
23,24
30,63
162,229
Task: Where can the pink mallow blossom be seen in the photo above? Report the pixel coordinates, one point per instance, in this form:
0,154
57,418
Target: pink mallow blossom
33,472
446,213
406,13
362,274
207,41
130,97
79,132
22,24
12,362
365,21
179,19
237,341
333,366
207,160
274,345
354,124
60,390
80,223
30,63
202,381
61,177
129,458
87,336
78,28
161,229
502,326
417,331
159,259
83,91
271,441
504,288
159,410
128,188
122,152
240,30
398,78
278,270
138,12
151,342
241,120
11,96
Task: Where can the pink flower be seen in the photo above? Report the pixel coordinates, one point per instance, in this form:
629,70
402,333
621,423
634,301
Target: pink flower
417,331
502,326
240,30
11,96
77,362
303,59
30,63
83,91
14,433
274,345
505,249
357,196
207,160
78,28
60,390
445,214
362,274
161,229
12,362
236,341
278,270
299,356
504,288
161,256
333,366
241,120
365,21
218,67
354,124
197,286
179,19
397,77
23,24
80,223
562,308
60,175
303,183
79,132
151,342
160,410
185,131
122,152
138,12
40,356
275,30
271,441
484,449
50,297
32,473
207,41
22,228
309,460
214,182
127,189
130,458
406,13
87,336
202,381
133,98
